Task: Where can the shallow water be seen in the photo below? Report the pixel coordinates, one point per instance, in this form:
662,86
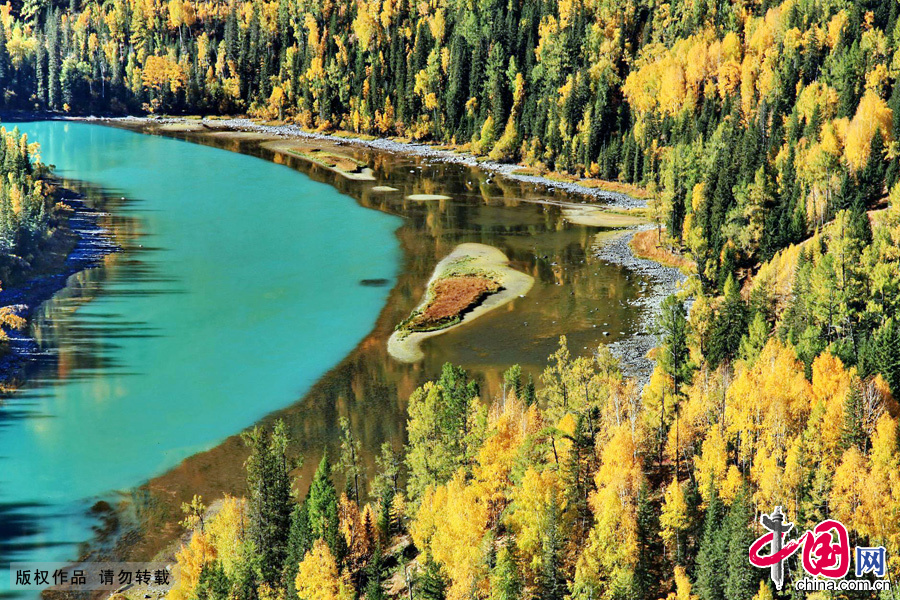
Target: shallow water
243,295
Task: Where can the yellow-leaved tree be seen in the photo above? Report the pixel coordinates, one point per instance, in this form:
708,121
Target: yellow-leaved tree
191,559
318,577
674,518
872,116
451,525
605,568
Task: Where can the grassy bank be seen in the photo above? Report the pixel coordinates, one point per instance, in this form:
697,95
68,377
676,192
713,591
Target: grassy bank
652,244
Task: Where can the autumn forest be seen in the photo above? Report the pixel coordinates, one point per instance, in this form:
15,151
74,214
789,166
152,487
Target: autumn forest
764,135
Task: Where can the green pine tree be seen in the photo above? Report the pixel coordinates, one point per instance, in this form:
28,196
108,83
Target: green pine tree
374,586
431,584
552,580
322,507
512,381
729,326
269,495
852,431
300,541
646,582
709,581
213,584
506,577
742,578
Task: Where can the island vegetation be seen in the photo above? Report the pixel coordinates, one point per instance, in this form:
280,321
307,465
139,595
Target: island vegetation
450,296
468,282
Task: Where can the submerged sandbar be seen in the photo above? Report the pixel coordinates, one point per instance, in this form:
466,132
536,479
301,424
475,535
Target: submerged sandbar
342,164
596,216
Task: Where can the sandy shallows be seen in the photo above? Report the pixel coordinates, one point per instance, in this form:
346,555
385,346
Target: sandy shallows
341,164
466,260
593,216
424,197
186,126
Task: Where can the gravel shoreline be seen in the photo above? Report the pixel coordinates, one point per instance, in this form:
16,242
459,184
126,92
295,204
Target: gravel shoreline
665,281
612,200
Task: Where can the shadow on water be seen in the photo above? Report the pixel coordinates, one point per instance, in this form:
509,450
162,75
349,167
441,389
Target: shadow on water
20,530
65,345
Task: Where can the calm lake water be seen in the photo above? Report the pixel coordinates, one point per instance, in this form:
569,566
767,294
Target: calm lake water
239,297
238,288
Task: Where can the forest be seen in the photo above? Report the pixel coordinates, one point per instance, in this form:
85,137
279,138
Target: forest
29,219
586,488
24,197
752,123
764,133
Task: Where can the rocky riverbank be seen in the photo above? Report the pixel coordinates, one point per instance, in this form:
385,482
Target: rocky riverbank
93,243
665,281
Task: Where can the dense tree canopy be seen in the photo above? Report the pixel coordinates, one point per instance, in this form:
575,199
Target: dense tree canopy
766,133
755,121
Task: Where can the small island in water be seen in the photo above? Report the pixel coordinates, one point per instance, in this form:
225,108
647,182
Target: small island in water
467,283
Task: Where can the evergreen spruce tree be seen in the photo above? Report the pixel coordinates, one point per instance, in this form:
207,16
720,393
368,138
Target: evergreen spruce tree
742,579
529,394
53,62
672,332
40,70
512,381
729,326
431,584
646,582
213,584
4,61
269,498
374,586
852,430
506,578
322,508
709,581
886,354
300,541
552,580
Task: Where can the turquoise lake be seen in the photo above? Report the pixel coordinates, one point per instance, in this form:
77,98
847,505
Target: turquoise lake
237,288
